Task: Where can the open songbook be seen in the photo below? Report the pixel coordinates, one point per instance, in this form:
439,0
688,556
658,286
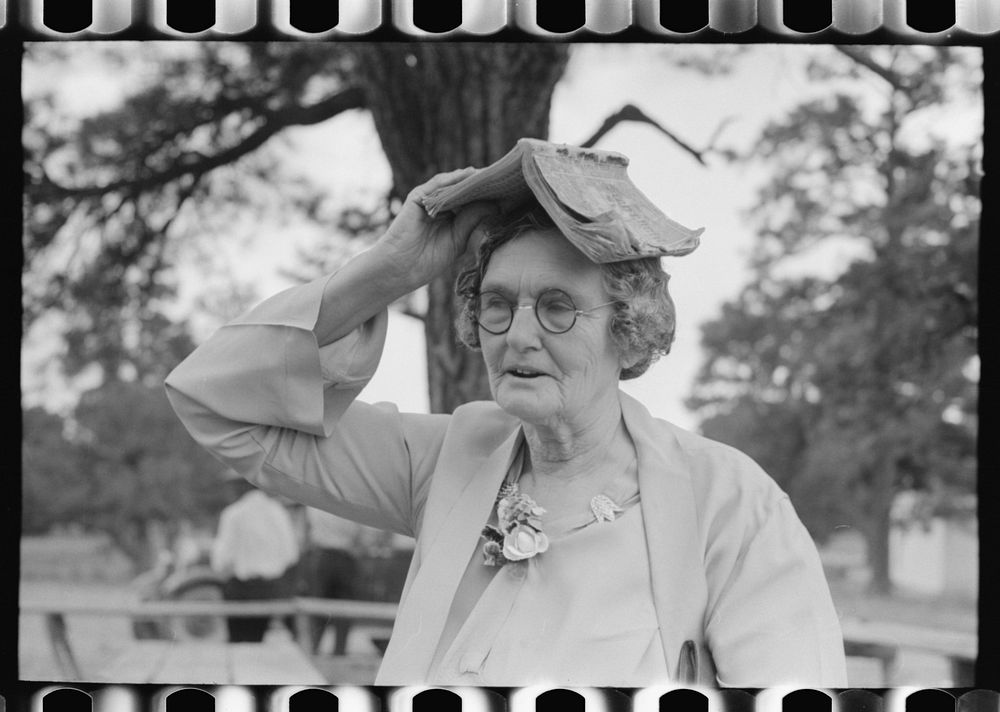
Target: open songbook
586,192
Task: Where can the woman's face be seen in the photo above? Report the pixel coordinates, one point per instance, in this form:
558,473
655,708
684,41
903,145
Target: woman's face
543,378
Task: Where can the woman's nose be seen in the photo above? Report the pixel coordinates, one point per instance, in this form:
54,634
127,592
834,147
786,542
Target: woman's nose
524,327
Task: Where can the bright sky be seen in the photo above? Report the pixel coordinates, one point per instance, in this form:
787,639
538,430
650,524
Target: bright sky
344,154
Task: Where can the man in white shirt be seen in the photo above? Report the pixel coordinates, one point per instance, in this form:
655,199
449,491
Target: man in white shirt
256,550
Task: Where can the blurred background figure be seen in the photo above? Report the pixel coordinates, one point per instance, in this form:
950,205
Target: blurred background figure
330,564
189,547
342,559
256,551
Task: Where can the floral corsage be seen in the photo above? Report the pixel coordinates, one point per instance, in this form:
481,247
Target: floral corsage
519,535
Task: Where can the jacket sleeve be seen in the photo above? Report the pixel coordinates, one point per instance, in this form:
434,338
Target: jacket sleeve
268,401
771,620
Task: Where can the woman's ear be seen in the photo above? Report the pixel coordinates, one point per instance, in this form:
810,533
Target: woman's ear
629,358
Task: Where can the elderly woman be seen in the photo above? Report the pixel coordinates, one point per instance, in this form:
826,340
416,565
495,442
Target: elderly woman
563,535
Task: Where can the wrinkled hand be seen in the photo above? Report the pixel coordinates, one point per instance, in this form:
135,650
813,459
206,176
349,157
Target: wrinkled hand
420,247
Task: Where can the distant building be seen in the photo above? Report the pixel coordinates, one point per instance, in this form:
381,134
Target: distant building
934,552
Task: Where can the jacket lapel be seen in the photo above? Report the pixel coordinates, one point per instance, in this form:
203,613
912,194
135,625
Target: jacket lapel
669,514
450,540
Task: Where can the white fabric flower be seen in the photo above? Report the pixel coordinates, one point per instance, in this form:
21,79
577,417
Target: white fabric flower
523,542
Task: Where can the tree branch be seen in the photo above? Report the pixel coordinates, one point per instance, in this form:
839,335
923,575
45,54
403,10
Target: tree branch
274,122
868,63
182,197
630,112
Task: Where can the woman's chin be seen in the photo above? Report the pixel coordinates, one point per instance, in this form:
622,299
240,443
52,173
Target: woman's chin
528,407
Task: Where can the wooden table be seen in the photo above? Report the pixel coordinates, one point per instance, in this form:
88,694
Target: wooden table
273,662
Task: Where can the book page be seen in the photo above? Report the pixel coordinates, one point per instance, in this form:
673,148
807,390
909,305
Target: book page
502,181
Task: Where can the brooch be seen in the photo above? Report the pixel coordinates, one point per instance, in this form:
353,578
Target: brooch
604,508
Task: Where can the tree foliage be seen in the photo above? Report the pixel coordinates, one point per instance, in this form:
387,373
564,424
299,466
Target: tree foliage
123,461
140,465
851,384
114,197
50,465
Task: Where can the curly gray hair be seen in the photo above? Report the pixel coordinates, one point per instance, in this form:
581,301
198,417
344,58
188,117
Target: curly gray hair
644,320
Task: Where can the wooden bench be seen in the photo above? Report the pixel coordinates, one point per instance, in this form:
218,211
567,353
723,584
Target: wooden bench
343,614
883,640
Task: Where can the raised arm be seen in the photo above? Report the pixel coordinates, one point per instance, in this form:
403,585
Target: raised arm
271,394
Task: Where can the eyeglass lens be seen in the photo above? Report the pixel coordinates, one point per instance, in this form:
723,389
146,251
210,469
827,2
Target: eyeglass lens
554,310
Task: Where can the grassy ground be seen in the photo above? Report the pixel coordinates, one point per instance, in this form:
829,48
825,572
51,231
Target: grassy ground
73,558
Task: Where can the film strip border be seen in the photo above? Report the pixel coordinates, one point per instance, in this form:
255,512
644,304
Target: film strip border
142,698
907,21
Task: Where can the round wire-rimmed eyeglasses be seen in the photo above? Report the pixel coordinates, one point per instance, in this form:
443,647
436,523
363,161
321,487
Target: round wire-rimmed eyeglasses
554,309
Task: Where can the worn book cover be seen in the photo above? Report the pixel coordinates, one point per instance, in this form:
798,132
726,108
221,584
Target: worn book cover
587,193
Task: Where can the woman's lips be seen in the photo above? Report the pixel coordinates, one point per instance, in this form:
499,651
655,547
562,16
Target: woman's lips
523,373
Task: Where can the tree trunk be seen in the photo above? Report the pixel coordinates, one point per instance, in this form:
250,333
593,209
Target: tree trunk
878,554
878,527
441,106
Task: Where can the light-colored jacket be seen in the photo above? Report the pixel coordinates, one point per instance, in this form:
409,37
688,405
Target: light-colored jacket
732,567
